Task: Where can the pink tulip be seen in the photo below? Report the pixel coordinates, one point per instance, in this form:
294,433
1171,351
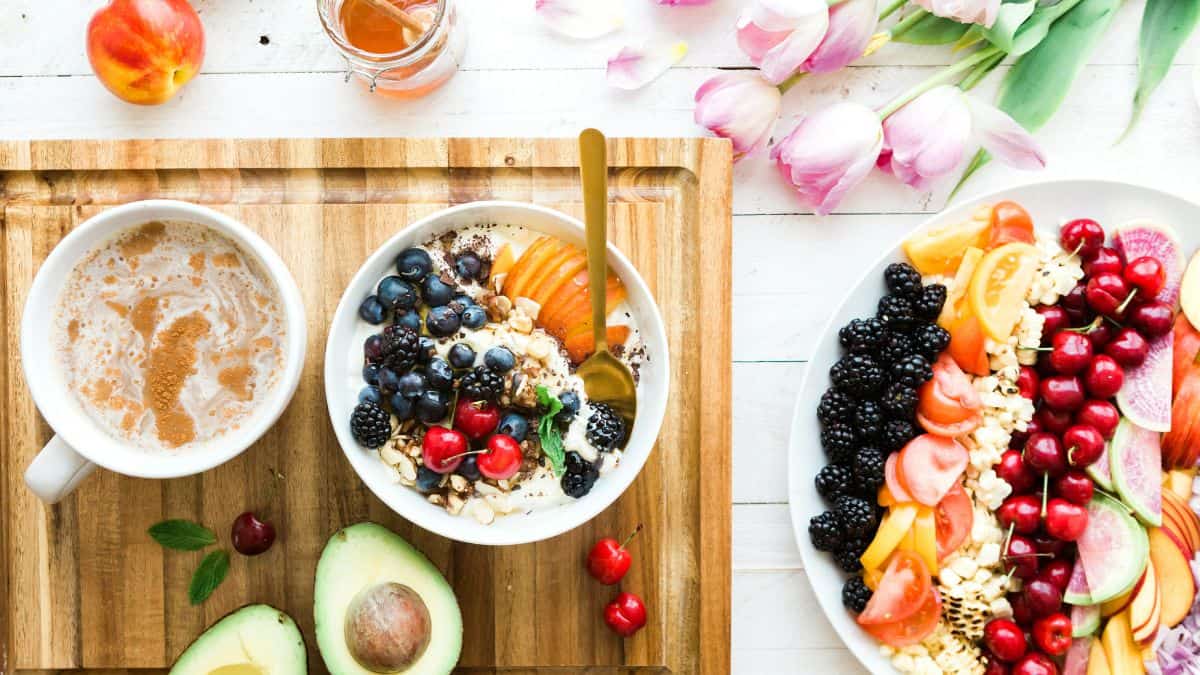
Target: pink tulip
851,24
930,135
780,35
829,152
982,12
740,106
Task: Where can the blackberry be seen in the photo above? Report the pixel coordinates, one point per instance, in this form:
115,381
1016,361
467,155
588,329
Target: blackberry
605,428
913,371
895,310
857,516
401,347
928,303
902,279
826,532
838,441
930,339
862,335
833,481
857,374
897,433
482,384
899,401
576,485
868,471
868,420
575,463
370,424
836,407
849,558
896,346
856,595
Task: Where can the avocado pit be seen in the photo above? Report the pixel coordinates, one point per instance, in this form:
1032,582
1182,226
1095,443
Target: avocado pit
387,627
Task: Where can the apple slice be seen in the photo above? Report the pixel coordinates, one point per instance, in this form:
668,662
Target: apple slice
1181,522
1173,573
1116,605
1179,481
1145,608
1098,660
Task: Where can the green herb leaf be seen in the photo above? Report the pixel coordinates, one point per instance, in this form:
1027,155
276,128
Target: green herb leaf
932,30
182,535
208,576
552,445
1166,25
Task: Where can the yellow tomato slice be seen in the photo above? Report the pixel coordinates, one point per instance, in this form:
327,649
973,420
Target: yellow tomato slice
895,525
925,534
939,251
999,285
956,296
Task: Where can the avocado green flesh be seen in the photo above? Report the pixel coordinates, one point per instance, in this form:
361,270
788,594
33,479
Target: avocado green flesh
254,640
365,555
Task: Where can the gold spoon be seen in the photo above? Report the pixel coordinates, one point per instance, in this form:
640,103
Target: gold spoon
605,378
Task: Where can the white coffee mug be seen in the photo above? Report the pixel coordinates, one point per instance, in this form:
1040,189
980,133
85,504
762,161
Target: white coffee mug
80,443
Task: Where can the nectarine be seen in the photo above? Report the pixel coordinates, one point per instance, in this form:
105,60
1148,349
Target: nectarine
145,50
1173,573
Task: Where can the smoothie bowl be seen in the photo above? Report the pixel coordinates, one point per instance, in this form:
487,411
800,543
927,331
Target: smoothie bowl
450,375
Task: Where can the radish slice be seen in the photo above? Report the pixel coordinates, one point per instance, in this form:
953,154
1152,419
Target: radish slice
931,465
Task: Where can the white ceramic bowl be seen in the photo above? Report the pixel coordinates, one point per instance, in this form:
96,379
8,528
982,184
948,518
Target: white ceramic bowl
1109,202
343,381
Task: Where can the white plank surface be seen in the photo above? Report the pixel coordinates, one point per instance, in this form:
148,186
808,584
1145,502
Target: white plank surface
519,79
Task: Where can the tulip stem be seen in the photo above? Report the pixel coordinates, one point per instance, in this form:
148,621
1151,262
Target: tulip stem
892,9
791,81
945,75
906,24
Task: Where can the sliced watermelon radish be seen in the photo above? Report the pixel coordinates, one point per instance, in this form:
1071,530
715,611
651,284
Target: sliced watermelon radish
1078,656
1113,550
1077,592
1135,459
1146,396
1100,471
1085,620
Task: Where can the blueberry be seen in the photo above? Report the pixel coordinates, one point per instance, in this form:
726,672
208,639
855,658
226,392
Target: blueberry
373,349
409,319
514,425
570,409
462,356
411,385
436,292
426,349
401,407
371,393
439,374
431,407
414,264
468,265
500,359
372,310
371,373
442,321
469,468
474,317
388,380
461,301
396,293
428,480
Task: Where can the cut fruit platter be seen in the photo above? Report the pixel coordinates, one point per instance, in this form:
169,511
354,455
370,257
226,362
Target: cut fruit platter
993,460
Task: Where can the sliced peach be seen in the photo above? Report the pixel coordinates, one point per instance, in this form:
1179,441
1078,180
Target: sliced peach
558,276
579,311
559,299
536,277
502,263
580,344
518,283
522,264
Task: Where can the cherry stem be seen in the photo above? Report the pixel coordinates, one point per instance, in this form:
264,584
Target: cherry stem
1045,490
1084,330
631,536
1128,299
453,410
1114,322
451,458
1070,457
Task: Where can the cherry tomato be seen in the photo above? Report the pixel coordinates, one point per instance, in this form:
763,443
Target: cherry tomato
954,520
931,465
902,591
1010,222
913,629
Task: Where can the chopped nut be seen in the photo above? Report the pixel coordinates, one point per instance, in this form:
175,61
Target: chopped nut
521,323
390,455
436,498
458,483
498,308
528,307
483,513
486,488
539,348
454,504
406,467
504,485
499,503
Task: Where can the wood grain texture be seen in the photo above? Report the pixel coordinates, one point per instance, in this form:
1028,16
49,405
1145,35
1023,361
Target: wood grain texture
84,579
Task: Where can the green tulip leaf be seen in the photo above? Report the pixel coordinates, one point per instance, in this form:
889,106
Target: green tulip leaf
1166,25
1031,33
1010,18
932,30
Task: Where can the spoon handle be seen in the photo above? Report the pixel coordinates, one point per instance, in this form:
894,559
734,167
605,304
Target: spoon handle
593,169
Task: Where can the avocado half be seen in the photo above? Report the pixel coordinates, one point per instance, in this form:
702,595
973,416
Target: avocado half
380,606
254,640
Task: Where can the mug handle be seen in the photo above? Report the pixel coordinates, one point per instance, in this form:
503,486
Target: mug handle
56,470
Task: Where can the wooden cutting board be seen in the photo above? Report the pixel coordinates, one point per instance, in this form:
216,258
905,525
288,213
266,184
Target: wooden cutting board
83,586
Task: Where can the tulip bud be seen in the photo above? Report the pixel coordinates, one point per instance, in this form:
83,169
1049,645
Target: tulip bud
982,12
830,152
740,106
780,35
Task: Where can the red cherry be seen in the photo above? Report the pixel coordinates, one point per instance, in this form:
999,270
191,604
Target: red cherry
250,535
442,450
1104,377
1035,663
1053,634
1053,421
1100,415
1017,441
1064,520
476,419
1071,353
1048,545
1107,293
502,459
1044,453
1021,613
1057,572
1107,260
625,615
609,560
1062,392
1083,236
1128,347
1005,639
1054,319
1100,332
1022,512
1147,275
1074,303
994,666
1027,382
1021,557
1153,319
1042,597
1013,470
1075,487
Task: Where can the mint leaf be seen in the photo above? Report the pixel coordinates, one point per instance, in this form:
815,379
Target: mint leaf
208,576
552,445
182,535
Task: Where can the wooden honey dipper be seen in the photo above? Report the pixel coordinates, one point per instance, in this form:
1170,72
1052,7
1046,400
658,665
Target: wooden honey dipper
401,16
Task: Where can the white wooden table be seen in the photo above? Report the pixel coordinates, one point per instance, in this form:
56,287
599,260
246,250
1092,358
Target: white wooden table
271,72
